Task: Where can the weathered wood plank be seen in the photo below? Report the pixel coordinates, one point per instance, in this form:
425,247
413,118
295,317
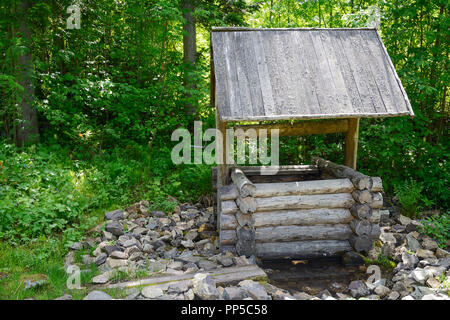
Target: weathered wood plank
302,217
341,95
242,75
227,237
222,81
264,76
351,143
228,192
245,187
247,204
357,72
233,85
360,181
299,128
222,276
302,233
228,207
378,69
228,222
302,249
247,57
264,190
377,185
338,200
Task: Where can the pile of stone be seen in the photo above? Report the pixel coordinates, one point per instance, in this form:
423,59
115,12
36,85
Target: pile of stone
187,242
139,239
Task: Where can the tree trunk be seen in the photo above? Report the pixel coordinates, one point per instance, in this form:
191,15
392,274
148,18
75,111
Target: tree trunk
189,48
27,130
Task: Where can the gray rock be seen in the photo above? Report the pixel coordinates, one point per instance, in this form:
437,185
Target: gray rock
358,289
409,261
235,293
114,215
429,244
393,295
136,256
176,265
98,295
157,266
420,291
118,255
76,246
441,253
435,297
188,244
225,261
204,286
444,262
172,253
382,290
404,221
241,261
102,278
425,254
408,297
207,265
420,275
108,236
111,249
302,296
116,263
412,243
101,259
115,228
131,250
191,235
132,242
255,290
151,292
158,214
178,287
189,295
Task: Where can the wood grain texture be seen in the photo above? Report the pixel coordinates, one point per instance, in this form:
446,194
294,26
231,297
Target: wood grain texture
264,190
302,233
302,249
304,73
338,200
302,217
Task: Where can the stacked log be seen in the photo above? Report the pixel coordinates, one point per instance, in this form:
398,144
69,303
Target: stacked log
285,219
368,200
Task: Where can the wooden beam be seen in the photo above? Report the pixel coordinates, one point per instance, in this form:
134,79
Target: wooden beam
265,190
302,249
351,143
313,201
299,128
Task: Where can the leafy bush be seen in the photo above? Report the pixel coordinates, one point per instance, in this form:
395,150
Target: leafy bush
437,228
409,196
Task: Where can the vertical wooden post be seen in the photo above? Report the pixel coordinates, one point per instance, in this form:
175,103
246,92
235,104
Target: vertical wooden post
351,143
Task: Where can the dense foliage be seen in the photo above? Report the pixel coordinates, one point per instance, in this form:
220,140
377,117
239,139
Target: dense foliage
109,95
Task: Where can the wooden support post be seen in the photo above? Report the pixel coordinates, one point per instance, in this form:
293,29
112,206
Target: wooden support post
351,143
221,152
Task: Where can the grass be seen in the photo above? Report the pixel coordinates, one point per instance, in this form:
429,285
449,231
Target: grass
42,260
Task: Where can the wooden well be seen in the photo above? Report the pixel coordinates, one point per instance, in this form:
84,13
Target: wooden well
323,81
300,212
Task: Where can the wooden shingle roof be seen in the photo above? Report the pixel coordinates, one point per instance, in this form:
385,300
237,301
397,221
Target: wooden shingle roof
274,74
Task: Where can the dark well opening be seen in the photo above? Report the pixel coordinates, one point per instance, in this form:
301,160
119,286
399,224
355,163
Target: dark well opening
312,275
